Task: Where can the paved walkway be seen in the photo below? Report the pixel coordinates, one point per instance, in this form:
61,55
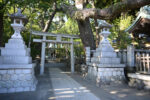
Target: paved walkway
65,88
60,85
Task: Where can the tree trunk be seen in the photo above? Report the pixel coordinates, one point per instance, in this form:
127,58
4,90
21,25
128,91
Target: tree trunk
97,33
1,28
82,16
86,33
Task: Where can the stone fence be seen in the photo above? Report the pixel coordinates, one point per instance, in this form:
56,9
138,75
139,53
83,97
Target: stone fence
131,57
140,59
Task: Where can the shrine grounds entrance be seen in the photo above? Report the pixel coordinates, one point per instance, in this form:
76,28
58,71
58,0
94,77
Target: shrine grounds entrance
58,38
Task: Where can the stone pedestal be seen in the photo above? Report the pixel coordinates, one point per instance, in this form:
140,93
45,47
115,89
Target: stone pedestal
16,68
105,65
17,79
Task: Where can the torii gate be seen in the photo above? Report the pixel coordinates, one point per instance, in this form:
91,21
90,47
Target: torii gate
58,40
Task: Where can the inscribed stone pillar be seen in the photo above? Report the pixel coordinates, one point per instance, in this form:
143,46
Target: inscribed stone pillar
72,56
130,56
88,54
43,56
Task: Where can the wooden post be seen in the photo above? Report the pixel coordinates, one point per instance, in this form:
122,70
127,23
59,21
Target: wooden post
140,60
72,56
148,68
43,56
144,61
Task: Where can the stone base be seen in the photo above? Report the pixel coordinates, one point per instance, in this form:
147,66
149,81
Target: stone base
105,75
139,81
17,80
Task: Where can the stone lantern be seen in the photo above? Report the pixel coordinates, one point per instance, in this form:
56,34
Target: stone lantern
106,66
105,30
18,20
16,67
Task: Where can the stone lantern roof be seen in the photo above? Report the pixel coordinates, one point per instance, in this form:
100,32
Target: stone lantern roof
103,24
19,15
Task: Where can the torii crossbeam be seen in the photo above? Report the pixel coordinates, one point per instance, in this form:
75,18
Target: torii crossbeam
58,40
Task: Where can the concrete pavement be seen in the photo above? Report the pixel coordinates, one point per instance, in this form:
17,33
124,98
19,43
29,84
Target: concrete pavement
66,88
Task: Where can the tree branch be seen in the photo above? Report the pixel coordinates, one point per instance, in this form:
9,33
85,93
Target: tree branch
49,21
106,13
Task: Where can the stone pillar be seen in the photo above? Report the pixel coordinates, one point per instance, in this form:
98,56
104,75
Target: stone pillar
88,55
16,67
106,65
130,57
72,56
43,56
0,57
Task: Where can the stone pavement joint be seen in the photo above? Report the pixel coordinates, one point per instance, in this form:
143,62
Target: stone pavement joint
66,88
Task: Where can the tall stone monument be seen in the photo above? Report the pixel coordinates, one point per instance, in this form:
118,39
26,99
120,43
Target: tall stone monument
105,66
16,67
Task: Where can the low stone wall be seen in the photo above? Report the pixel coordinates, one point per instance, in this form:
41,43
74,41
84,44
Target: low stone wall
139,81
17,80
106,75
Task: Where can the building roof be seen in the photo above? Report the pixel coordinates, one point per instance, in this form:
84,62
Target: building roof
142,22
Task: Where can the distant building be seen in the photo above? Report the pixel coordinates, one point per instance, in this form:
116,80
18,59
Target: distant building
140,28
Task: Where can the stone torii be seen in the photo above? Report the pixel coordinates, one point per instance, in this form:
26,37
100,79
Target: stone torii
58,40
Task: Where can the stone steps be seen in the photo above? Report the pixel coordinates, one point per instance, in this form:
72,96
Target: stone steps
15,41
105,49
105,54
14,52
17,66
106,60
14,46
16,59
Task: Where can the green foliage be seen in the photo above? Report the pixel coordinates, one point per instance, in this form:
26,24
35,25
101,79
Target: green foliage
122,39
70,27
125,22
38,10
79,50
7,30
105,3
